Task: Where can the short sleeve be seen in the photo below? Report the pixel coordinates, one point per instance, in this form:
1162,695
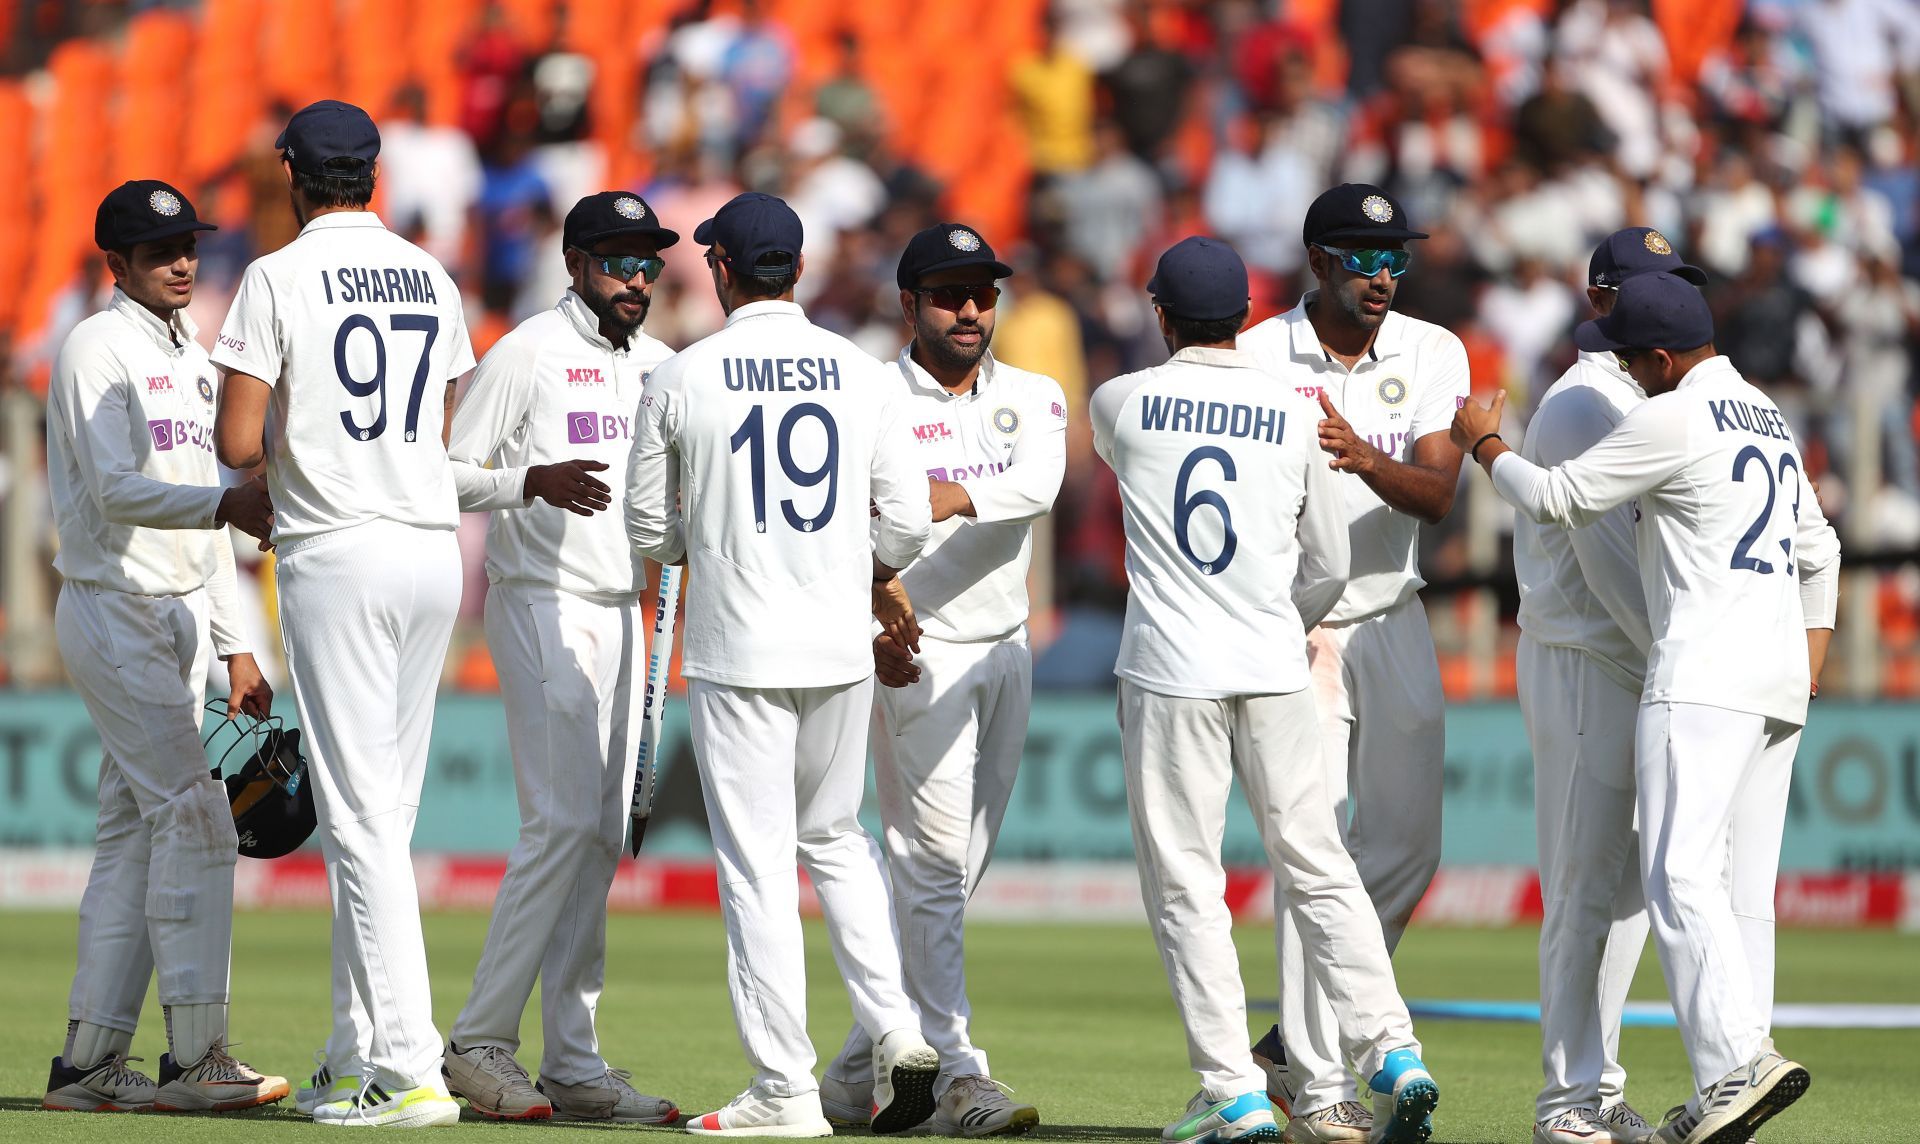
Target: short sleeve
249,340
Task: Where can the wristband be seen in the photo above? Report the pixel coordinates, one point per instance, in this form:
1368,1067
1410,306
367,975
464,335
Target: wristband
1475,451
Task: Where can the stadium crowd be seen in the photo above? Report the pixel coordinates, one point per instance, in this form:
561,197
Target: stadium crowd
1778,143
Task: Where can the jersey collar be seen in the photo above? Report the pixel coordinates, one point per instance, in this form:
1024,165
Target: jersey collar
1706,370
169,336
344,220
925,383
1306,343
1608,364
1213,355
585,322
765,309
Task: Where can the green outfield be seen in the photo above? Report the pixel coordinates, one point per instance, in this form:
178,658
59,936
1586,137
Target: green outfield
1077,1018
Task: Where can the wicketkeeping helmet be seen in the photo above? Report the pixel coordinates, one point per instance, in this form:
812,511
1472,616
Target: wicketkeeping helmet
271,797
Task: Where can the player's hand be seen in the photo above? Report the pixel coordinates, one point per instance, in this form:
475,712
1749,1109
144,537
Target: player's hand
249,508
895,612
1351,452
250,692
948,498
893,665
1473,421
570,485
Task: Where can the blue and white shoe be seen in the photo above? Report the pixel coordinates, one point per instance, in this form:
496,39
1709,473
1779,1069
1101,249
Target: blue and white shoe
1248,1116
1404,1097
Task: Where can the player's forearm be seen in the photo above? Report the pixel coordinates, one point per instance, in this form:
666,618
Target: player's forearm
1817,641
129,498
1024,492
1413,489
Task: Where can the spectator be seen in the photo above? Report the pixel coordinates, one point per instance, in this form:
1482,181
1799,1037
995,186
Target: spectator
1113,205
1618,58
492,65
756,67
1256,196
1862,50
847,100
1148,89
1558,124
1053,95
430,177
515,208
1529,314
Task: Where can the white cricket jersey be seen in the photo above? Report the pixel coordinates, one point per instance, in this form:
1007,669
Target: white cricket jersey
1236,532
1407,386
1005,441
358,331
758,451
555,389
1580,587
130,463
1736,558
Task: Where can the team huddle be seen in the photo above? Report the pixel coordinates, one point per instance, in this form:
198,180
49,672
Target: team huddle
1678,589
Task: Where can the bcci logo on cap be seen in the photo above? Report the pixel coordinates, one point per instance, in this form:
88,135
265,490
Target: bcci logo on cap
629,207
1377,208
964,241
1658,243
164,203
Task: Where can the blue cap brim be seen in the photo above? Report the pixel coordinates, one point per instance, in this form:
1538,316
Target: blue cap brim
703,234
1588,336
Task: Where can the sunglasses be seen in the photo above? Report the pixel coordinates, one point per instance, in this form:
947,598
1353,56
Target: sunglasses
1368,263
626,266
955,298
1626,358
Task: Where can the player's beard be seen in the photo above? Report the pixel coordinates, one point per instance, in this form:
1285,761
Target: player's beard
610,319
949,356
1349,303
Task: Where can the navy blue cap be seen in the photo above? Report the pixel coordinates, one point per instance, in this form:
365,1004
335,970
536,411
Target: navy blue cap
331,139
755,229
612,213
946,246
1200,279
143,210
1637,250
1355,210
1658,311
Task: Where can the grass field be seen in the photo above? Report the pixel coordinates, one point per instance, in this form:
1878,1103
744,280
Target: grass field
1076,1017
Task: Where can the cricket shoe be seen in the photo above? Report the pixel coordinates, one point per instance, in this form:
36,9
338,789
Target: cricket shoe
1626,1125
1248,1116
978,1105
1348,1122
493,1083
904,1069
1574,1126
757,1114
1270,1053
372,1105
609,1096
847,1104
215,1083
1404,1097
322,1086
109,1086
1732,1108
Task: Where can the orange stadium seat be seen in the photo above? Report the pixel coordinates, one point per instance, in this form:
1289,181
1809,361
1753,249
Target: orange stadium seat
72,174
300,51
373,52
148,132
16,200
225,81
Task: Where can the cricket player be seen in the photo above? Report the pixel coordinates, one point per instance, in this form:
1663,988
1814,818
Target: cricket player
148,595
1236,545
341,350
1388,385
1582,659
1739,568
758,452
993,440
551,405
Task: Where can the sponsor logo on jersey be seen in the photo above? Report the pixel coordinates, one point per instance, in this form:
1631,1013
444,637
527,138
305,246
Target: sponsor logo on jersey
1392,391
937,431
178,433
1059,411
161,384
590,428
967,472
1006,420
585,376
237,345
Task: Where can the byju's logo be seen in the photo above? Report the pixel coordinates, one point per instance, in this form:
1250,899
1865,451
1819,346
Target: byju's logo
583,428
162,434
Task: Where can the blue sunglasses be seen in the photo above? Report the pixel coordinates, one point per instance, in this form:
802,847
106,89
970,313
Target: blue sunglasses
1368,263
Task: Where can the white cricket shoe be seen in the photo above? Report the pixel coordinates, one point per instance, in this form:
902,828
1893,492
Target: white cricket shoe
756,1114
320,1087
1270,1053
371,1105
609,1096
1626,1125
215,1083
106,1086
1574,1126
493,1083
1348,1122
904,1069
977,1105
847,1104
1732,1108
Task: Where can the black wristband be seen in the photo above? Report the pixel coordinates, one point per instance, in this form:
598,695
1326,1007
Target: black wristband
1475,451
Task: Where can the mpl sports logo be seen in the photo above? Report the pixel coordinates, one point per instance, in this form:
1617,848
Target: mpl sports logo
168,435
591,428
585,376
930,433
161,384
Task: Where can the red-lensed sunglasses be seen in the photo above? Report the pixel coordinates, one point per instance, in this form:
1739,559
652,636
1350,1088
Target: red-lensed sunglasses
955,298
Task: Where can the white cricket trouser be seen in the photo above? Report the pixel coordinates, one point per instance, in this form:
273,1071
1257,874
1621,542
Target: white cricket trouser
161,888
782,771
945,753
366,613
566,668
1180,758
1713,803
1376,685
1580,724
